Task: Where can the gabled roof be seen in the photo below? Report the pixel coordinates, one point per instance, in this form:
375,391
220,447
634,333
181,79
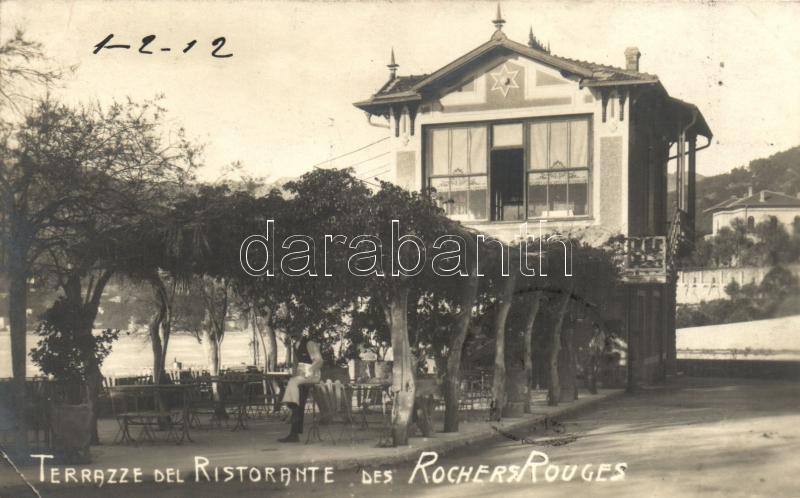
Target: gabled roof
591,74
722,205
762,199
408,89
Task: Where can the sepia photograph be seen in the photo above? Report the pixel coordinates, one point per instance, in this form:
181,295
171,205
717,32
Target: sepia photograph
399,248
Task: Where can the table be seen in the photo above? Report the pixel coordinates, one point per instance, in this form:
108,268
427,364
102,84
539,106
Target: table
373,393
368,394
149,409
234,392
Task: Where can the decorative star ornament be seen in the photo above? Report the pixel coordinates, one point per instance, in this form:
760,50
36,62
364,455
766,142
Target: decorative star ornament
504,80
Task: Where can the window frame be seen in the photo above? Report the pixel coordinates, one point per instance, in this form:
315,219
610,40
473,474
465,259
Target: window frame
589,168
427,158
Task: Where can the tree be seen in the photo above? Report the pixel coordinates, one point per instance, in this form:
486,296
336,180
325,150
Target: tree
727,247
24,67
774,243
23,70
441,315
554,388
335,203
463,320
533,303
505,298
206,229
73,182
160,326
58,353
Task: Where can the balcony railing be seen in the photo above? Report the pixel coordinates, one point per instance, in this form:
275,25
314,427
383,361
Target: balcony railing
645,259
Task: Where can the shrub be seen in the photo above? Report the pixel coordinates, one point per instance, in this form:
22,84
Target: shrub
61,351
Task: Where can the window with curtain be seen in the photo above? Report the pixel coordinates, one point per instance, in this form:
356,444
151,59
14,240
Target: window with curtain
457,159
558,172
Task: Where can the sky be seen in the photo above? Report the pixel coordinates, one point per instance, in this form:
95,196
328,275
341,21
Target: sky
283,102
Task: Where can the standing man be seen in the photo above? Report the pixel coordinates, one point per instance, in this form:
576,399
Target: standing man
308,370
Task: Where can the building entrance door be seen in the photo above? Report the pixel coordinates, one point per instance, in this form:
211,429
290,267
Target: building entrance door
507,184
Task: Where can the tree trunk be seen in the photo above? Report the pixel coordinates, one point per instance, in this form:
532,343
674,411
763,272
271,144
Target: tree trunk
160,329
166,324
212,352
452,381
94,380
91,374
212,346
86,311
554,391
634,334
166,332
155,331
499,380
403,382
568,378
270,344
267,340
18,324
215,297
528,344
155,343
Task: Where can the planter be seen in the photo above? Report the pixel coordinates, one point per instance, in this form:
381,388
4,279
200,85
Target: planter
72,432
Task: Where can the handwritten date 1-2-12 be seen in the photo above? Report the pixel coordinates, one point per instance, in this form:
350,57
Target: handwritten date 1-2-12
146,46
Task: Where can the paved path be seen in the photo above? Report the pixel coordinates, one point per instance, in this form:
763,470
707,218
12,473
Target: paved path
710,437
257,446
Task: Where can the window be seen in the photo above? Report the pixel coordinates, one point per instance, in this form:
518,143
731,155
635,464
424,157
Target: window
507,135
550,177
751,223
558,169
457,170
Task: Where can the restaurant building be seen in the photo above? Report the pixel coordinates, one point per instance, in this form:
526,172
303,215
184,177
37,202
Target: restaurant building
510,133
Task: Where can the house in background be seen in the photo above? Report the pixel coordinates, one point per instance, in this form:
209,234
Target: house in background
755,208
510,133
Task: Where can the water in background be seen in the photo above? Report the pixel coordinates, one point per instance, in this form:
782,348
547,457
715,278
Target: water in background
132,354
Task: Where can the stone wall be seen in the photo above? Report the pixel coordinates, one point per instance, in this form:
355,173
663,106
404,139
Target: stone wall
706,285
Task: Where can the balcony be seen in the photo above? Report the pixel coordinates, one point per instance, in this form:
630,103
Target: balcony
645,260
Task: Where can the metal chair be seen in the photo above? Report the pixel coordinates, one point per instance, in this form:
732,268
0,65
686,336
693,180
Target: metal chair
331,404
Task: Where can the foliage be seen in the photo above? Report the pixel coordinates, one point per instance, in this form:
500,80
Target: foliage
24,66
779,172
769,243
64,353
775,296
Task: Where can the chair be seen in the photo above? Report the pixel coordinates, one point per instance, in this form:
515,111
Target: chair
121,413
201,402
257,395
146,410
234,394
331,405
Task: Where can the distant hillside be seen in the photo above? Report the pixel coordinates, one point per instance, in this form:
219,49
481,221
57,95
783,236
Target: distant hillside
671,181
779,172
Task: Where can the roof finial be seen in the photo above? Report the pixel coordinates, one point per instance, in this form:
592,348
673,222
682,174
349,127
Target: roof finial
534,42
499,21
393,66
